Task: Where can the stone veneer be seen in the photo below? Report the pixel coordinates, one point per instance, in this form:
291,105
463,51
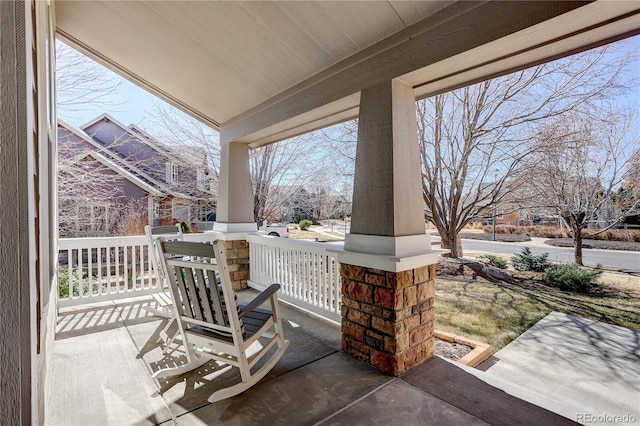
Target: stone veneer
238,262
387,317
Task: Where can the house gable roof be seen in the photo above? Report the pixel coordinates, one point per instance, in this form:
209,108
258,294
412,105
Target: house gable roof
117,162
169,152
121,171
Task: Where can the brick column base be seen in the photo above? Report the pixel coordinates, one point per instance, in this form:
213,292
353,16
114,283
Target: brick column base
238,262
387,317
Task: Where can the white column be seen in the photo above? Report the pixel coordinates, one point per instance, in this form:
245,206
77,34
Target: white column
388,214
386,255
234,213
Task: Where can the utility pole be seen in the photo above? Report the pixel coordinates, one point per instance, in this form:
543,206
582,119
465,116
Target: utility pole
493,220
494,223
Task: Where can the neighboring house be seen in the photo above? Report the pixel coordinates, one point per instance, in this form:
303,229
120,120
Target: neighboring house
115,178
504,212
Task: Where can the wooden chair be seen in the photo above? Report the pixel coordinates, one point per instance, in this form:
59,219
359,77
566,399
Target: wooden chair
153,232
211,324
162,298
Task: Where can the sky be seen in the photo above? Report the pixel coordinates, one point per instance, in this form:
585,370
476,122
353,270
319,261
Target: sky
132,104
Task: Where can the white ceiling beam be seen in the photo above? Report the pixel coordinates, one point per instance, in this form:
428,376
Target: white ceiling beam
462,44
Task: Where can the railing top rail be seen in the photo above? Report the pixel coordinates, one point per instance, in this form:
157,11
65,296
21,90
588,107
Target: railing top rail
76,243
99,242
294,244
96,242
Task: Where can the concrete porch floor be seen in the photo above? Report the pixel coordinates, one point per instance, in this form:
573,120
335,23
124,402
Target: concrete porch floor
104,354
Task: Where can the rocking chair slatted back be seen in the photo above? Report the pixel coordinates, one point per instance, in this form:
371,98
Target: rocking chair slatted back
153,232
198,295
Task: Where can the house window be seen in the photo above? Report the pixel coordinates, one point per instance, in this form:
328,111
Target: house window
181,210
500,213
201,179
206,211
172,173
92,220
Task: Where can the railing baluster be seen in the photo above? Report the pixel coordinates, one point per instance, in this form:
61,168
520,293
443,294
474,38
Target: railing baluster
109,279
79,273
99,270
141,266
90,269
134,267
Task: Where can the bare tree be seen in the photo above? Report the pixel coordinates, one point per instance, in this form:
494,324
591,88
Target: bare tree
579,169
631,182
192,142
178,129
280,171
88,191
474,141
341,139
81,82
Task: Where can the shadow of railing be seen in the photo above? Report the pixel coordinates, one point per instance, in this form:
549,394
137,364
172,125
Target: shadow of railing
74,322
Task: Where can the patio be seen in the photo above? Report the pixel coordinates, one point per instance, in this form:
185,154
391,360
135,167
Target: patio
104,354
260,72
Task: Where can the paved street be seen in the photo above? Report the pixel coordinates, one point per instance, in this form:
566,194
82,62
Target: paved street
610,259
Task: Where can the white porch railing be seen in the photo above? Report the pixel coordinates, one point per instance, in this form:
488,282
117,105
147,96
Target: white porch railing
308,273
109,268
100,269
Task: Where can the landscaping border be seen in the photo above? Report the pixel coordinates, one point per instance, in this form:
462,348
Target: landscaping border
480,350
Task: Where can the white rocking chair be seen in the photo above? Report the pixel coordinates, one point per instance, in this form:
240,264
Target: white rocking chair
162,298
210,323
153,233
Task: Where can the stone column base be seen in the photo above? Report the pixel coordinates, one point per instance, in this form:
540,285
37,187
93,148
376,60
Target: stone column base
387,317
237,252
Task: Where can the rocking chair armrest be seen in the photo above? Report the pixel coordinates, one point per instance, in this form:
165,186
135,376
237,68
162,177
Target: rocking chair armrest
260,299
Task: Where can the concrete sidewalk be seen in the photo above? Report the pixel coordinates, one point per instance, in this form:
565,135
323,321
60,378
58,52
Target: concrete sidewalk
584,370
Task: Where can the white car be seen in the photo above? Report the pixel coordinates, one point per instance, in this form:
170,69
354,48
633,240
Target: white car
275,229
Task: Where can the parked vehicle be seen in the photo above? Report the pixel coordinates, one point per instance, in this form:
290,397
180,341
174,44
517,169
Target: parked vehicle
275,229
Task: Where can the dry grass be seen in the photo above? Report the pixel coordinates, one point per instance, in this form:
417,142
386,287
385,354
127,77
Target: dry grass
312,235
498,313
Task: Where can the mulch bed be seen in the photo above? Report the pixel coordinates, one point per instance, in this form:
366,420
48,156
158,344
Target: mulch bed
503,238
451,350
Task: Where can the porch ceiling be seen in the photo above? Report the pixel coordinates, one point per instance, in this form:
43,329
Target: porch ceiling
262,71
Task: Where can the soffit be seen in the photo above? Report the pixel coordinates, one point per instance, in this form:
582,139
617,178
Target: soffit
263,71
223,58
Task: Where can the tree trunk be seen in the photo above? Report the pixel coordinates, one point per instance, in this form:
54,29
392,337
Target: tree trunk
452,243
577,244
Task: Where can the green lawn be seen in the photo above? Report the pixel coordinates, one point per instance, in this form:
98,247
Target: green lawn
498,313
